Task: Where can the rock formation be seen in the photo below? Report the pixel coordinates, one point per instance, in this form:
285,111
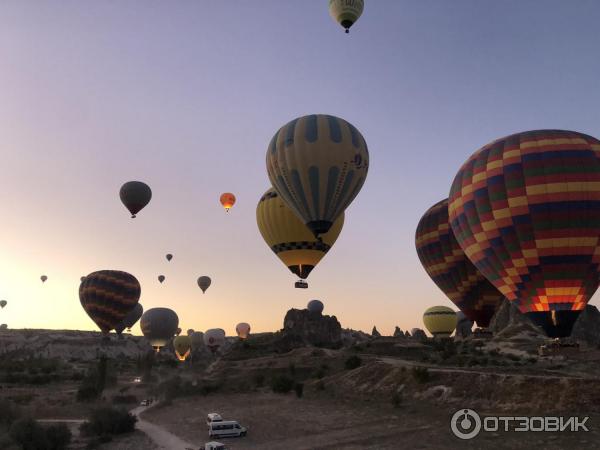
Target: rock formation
587,326
398,333
302,326
375,333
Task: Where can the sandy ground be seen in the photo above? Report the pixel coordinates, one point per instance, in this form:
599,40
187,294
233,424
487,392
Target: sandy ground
159,435
283,422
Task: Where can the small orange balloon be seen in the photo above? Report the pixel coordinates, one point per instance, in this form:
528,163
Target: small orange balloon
227,200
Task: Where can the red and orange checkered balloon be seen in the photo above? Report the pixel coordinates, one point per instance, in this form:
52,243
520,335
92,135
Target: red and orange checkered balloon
526,211
448,266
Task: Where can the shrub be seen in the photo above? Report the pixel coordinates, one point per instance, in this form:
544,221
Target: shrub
59,436
299,388
320,386
29,434
396,400
282,384
107,420
420,374
353,362
259,379
9,412
121,399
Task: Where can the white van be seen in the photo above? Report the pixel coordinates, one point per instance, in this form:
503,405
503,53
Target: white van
214,446
213,417
226,428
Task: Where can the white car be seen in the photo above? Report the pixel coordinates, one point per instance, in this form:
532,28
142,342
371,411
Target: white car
144,403
213,417
214,446
226,428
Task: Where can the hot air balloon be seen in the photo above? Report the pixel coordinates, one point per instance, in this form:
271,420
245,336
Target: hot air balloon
525,210
450,269
204,283
3,327
346,12
43,278
227,200
289,238
3,303
159,326
214,338
177,331
130,319
317,164
190,331
440,321
169,257
197,339
183,347
135,195
315,306
243,330
107,296
161,278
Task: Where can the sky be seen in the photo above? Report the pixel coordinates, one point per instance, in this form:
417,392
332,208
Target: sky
186,95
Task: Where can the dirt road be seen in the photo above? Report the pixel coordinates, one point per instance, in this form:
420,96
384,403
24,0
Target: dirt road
161,437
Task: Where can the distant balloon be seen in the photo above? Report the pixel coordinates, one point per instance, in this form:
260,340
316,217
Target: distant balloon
169,257
161,278
159,326
286,235
197,339
82,278
440,321
346,12
107,296
183,347
190,331
318,164
315,306
43,278
135,195
204,283
130,319
227,200
243,330
214,338
178,332
3,303
3,327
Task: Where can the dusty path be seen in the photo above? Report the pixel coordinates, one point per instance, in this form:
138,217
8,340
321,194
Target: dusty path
161,437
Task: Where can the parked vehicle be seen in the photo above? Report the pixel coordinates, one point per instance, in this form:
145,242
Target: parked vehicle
226,428
214,446
213,417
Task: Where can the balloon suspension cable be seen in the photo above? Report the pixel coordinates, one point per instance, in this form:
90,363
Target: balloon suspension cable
347,30
133,216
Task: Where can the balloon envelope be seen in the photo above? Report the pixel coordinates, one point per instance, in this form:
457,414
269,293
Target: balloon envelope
315,306
317,164
243,330
107,296
204,283
43,278
286,235
345,12
227,200
131,318
440,321
450,269
161,278
135,195
182,346
169,257
526,211
159,326
3,303
214,338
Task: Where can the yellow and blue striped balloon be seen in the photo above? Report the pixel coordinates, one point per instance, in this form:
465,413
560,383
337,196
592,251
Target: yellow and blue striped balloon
318,164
